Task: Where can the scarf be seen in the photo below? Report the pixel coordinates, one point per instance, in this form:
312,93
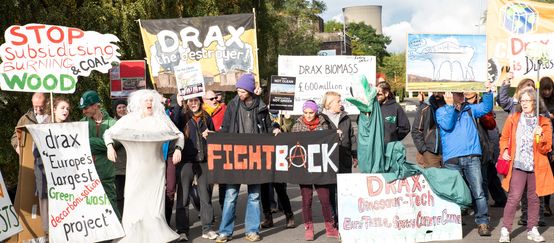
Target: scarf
211,109
196,115
312,125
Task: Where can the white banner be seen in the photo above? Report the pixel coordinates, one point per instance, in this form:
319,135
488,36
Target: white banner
79,208
370,210
316,75
48,58
9,224
524,52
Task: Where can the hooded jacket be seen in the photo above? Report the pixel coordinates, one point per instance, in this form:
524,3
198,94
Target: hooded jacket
459,136
395,122
348,141
425,132
262,119
196,148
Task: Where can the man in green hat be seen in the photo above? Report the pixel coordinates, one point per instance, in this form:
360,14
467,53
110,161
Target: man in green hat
98,122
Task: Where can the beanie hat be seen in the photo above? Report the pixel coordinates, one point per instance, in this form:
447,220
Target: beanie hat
89,98
246,82
310,104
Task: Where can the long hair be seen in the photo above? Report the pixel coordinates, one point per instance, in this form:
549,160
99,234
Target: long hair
386,87
55,103
533,95
327,98
136,103
524,83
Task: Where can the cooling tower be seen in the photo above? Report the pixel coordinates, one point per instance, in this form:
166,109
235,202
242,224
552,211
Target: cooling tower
369,14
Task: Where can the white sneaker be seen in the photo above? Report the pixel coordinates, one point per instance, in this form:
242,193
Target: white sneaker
534,235
210,235
504,235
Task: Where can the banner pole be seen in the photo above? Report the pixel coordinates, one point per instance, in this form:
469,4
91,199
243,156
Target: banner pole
257,71
51,107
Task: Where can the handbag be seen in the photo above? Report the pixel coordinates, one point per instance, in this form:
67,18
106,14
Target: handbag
502,165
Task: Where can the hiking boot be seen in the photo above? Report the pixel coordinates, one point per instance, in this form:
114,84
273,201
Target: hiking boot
331,231
211,235
268,221
534,235
290,221
309,233
253,237
504,235
484,230
223,238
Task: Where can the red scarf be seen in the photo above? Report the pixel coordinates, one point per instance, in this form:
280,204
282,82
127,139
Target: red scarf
312,125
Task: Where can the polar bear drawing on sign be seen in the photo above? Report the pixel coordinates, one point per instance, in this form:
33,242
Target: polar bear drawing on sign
451,54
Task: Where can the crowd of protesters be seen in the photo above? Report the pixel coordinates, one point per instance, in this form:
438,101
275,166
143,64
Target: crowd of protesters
452,130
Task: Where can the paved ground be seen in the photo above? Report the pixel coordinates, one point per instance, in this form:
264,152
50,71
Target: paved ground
279,234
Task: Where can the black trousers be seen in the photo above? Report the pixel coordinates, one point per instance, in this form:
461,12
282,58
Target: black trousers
283,197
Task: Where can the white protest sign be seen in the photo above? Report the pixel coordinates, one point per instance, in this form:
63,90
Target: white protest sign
370,210
9,224
316,75
79,208
527,50
48,58
190,81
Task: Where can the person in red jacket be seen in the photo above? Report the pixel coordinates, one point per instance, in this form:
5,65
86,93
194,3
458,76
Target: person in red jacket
215,108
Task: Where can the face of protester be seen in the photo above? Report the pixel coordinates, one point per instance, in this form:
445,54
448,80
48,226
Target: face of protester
243,94
309,114
91,110
39,101
61,111
381,95
527,104
471,97
210,98
546,93
121,110
194,104
148,106
334,104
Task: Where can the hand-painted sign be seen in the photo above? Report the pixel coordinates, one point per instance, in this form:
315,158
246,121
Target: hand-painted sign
78,206
532,53
446,62
9,224
225,46
48,58
281,96
316,75
372,210
298,158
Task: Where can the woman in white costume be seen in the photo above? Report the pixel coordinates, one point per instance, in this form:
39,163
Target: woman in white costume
143,131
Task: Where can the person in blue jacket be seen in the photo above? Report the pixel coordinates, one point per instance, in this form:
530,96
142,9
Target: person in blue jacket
461,148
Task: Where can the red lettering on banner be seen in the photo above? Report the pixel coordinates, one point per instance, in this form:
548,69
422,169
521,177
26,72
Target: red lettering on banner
254,157
241,162
371,180
212,148
518,45
36,28
268,149
54,34
390,187
13,31
227,165
425,199
403,184
415,179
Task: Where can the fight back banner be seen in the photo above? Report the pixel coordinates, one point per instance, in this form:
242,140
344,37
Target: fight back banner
298,158
372,210
225,46
9,224
79,208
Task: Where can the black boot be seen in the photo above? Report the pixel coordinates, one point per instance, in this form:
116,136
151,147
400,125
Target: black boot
268,221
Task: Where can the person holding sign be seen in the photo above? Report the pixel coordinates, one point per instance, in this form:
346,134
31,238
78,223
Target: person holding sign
36,115
246,113
529,165
142,131
98,122
311,120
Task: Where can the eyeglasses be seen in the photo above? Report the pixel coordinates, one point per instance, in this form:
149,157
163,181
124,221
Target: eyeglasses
213,98
526,101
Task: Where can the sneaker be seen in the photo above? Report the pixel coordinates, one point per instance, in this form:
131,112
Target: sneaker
223,238
534,235
211,235
253,237
183,237
484,230
504,235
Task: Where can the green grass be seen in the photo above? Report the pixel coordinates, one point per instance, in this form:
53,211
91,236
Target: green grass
445,86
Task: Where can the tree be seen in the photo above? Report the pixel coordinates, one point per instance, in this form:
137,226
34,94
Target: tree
394,67
333,26
365,41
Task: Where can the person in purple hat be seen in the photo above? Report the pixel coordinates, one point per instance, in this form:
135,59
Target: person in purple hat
246,113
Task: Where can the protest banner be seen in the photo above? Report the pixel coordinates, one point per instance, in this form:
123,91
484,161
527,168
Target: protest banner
281,95
9,224
316,75
524,53
436,62
370,210
126,78
48,58
78,206
298,158
190,81
225,46
506,19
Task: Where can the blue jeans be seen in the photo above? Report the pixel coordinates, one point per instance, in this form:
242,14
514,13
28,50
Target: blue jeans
470,167
252,217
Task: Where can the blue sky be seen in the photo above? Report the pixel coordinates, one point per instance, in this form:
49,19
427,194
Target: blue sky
400,17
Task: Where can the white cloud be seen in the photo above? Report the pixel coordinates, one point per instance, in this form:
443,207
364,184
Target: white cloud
398,34
338,18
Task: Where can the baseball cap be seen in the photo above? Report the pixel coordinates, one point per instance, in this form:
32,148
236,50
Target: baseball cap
89,98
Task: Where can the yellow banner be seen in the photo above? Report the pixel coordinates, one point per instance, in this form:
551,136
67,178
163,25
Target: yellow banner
507,20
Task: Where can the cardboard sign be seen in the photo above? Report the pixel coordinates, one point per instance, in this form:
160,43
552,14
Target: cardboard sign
281,96
507,19
370,210
48,58
190,81
225,46
316,75
298,158
79,208
532,53
9,224
126,78
446,62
